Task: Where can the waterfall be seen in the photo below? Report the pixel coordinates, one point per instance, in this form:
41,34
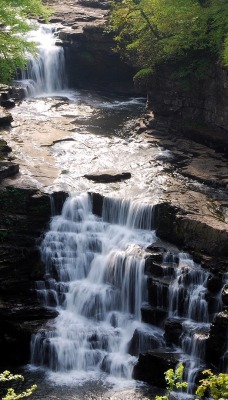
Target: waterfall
95,277
45,73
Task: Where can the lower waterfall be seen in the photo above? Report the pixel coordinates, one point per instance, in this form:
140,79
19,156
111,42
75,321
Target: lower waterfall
95,277
104,278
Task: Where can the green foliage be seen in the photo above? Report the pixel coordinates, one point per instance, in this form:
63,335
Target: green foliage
215,385
174,379
6,376
151,32
14,25
225,52
142,78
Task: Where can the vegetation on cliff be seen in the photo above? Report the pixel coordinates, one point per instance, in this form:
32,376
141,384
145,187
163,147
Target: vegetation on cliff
13,28
188,32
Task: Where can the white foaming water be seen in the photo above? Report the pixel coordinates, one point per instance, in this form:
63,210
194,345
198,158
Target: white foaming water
95,278
187,300
45,72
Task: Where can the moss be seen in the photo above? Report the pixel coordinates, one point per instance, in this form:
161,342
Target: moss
143,78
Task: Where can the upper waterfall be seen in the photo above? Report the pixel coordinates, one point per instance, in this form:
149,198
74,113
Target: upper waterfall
45,73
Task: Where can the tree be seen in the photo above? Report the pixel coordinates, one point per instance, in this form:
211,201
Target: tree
188,32
14,25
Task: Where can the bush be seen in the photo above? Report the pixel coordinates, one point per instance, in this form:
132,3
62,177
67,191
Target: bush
6,376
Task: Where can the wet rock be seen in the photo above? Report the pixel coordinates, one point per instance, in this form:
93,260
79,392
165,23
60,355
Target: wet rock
58,201
212,302
4,148
15,339
214,283
108,176
217,339
97,203
158,292
8,103
25,312
155,248
142,341
8,169
152,267
173,330
153,315
152,366
5,117
225,295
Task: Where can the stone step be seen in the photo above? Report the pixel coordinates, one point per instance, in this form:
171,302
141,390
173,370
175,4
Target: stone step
153,315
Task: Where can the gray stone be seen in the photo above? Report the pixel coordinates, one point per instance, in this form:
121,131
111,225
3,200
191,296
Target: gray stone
108,175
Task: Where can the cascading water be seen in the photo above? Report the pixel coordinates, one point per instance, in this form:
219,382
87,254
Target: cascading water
95,278
45,73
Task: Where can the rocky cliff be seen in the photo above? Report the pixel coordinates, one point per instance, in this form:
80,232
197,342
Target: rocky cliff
198,110
88,46
25,214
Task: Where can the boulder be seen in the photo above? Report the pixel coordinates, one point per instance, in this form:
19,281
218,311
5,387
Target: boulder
152,366
4,148
142,341
153,315
8,103
5,117
108,175
173,330
217,339
8,169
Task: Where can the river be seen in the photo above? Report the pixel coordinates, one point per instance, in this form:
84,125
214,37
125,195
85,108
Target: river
95,267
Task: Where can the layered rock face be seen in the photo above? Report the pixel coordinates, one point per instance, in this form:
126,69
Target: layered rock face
24,216
88,46
200,111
